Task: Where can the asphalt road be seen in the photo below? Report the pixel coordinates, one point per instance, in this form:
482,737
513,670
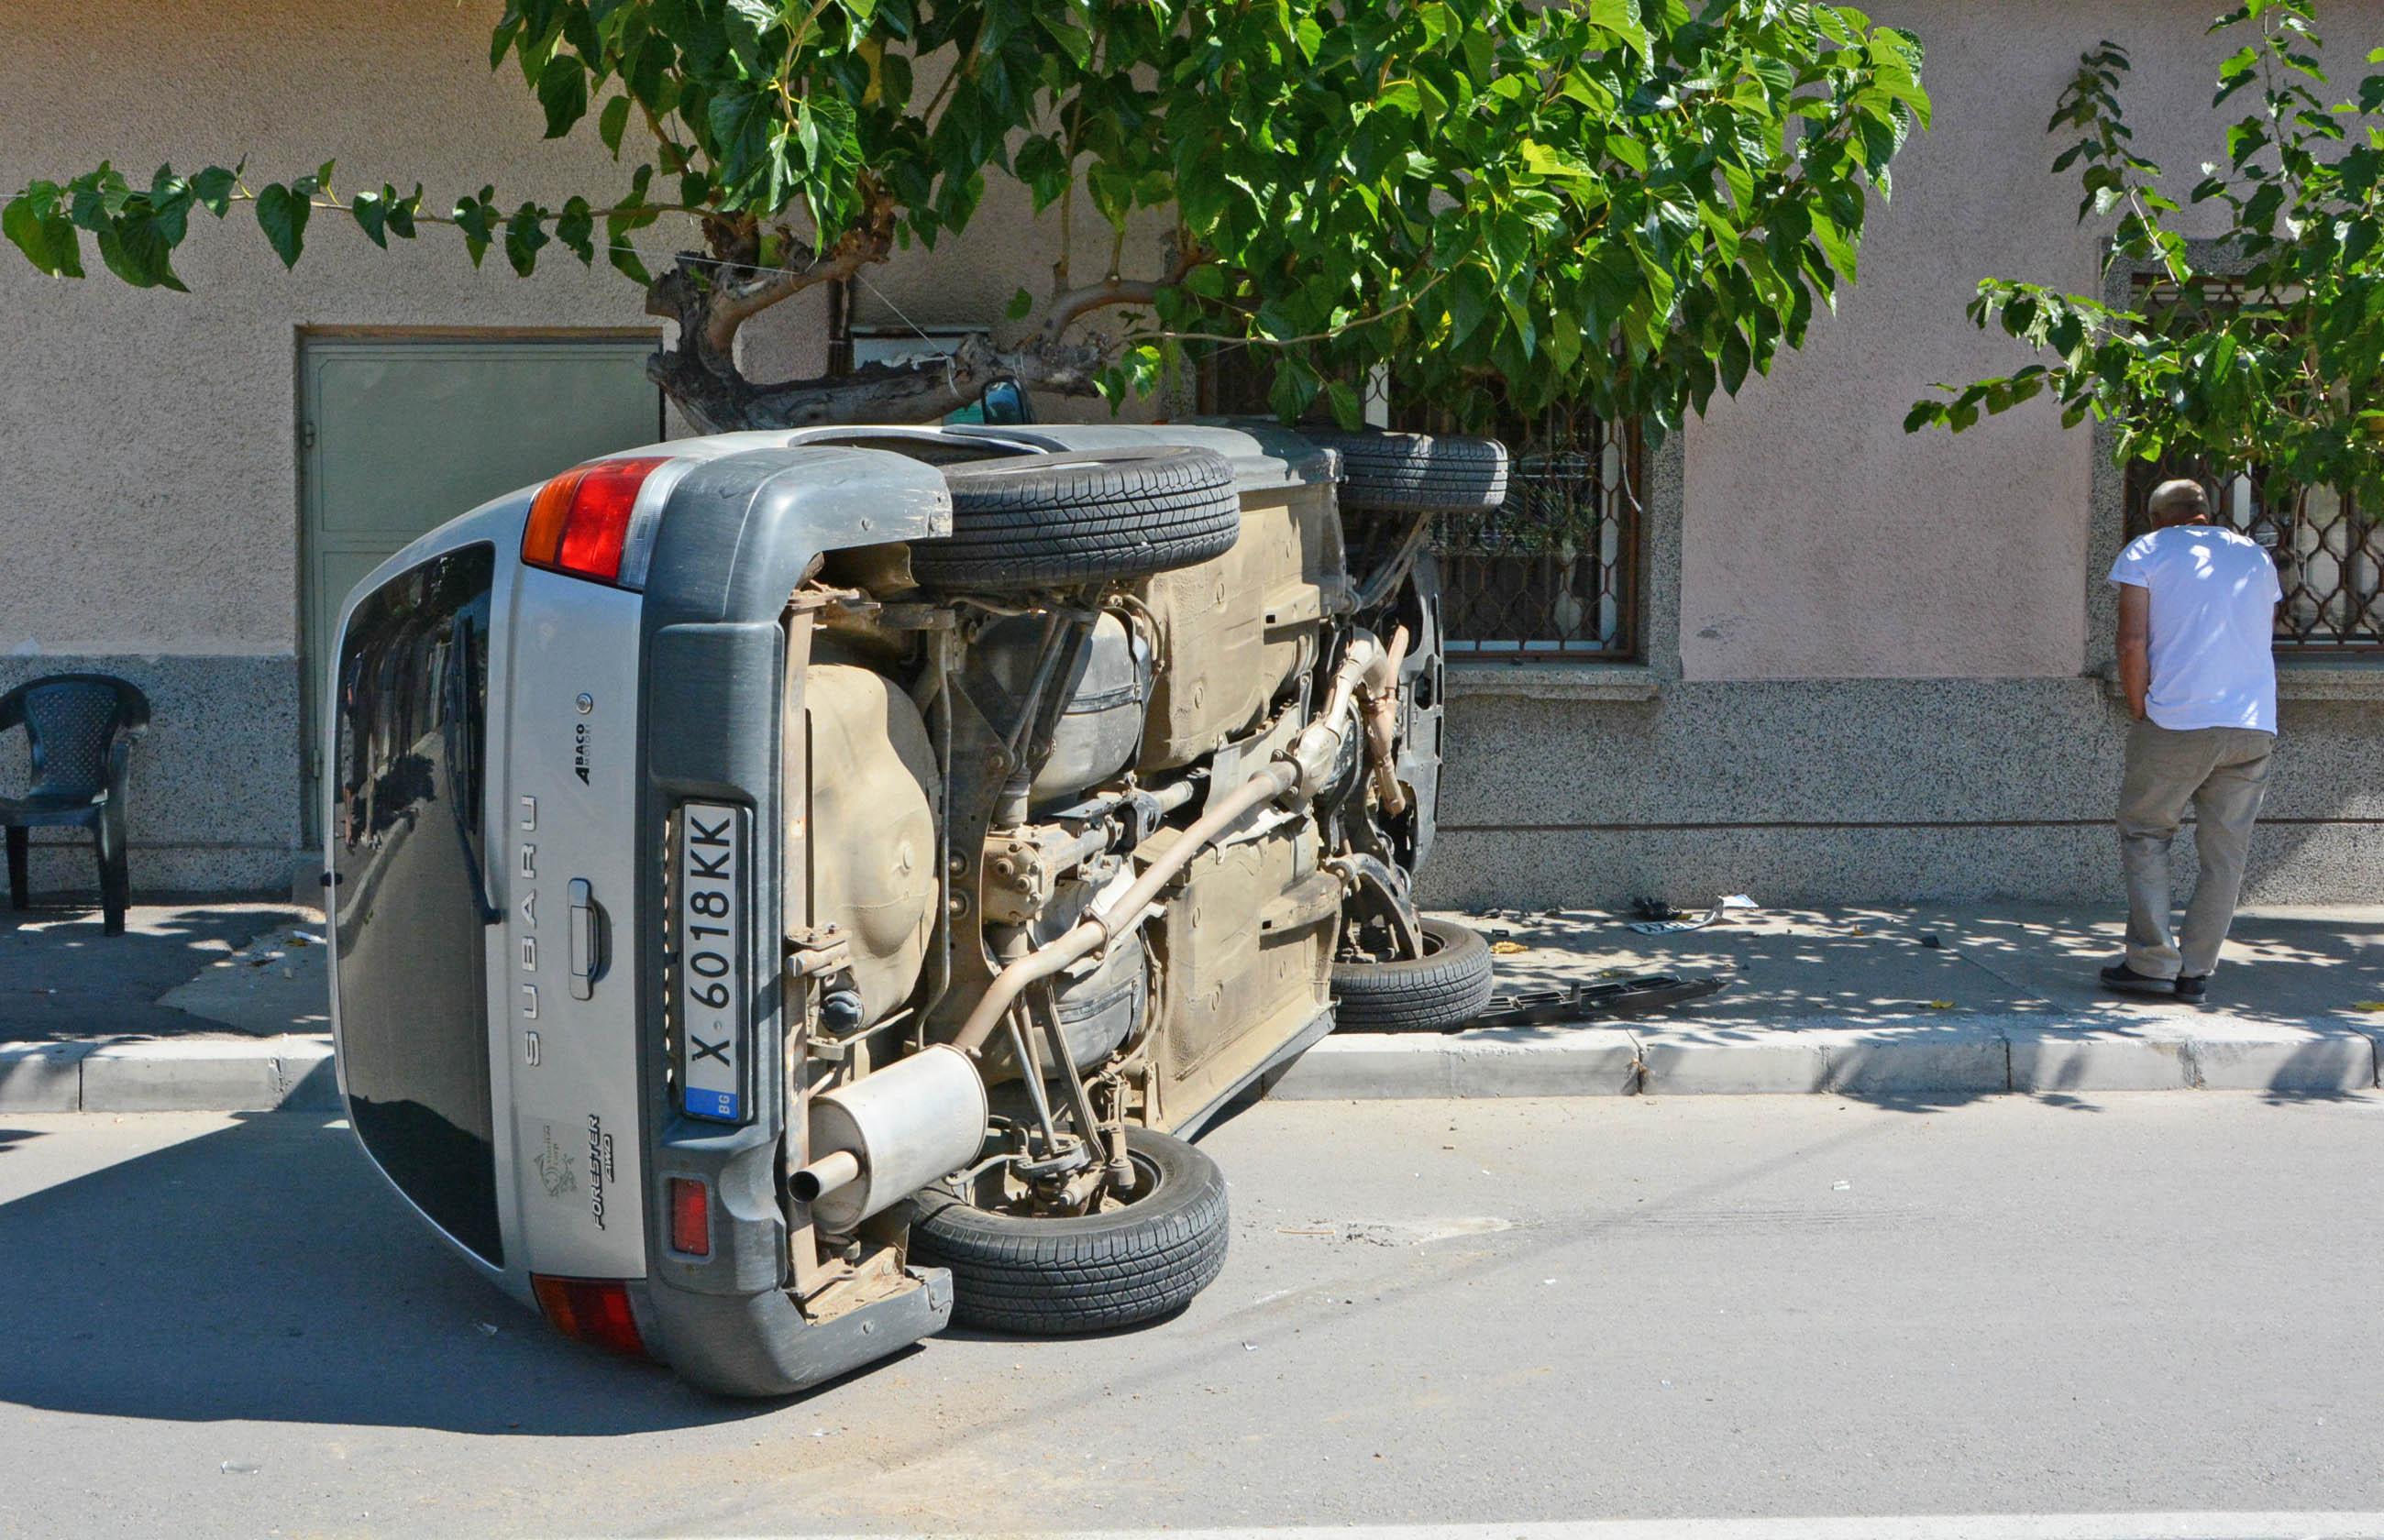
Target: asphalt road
1435,1313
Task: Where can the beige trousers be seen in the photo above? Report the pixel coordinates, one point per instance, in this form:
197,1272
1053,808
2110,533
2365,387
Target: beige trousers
2224,773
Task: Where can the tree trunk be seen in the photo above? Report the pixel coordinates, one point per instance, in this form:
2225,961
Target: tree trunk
698,370
923,390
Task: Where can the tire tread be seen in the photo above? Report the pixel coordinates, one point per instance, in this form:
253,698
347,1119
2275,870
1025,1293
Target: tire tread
1445,987
1075,518
1096,1274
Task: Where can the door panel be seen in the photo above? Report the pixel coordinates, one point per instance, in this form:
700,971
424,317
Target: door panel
399,434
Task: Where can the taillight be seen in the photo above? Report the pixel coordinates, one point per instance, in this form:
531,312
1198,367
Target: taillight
581,522
593,1309
690,1217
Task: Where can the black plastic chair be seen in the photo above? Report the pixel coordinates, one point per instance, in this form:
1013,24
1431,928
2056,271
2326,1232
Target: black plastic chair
80,727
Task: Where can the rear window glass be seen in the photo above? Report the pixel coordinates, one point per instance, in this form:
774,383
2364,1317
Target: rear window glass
411,904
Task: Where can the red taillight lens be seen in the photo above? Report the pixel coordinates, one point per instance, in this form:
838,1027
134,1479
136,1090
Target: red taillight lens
690,1217
579,521
593,1309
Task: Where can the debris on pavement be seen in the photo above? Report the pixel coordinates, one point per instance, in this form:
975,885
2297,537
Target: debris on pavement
1578,1004
1662,919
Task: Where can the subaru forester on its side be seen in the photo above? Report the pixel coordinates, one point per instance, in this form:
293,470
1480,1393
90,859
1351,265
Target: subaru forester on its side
791,888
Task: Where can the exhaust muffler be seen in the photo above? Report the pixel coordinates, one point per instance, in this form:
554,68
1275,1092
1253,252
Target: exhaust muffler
887,1134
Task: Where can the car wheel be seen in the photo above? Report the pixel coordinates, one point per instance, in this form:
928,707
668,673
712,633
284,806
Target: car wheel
1048,520
1142,1259
1416,472
1445,987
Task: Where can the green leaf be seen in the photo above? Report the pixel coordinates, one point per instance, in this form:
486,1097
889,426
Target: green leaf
631,214
96,197
1621,18
282,215
1207,281
401,211
611,122
33,222
525,235
372,217
476,217
1348,409
137,251
1020,304
575,229
1544,160
213,187
1062,29
625,260
503,40
563,91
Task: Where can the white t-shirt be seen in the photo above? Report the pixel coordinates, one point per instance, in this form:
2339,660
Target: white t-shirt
2214,602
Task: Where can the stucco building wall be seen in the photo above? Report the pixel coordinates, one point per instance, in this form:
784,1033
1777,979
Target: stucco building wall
1868,670
151,529
1870,673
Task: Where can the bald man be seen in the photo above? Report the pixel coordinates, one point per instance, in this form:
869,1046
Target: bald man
2197,618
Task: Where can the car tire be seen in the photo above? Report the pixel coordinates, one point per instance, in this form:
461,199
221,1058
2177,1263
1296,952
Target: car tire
1445,987
1088,1273
1417,473
1051,520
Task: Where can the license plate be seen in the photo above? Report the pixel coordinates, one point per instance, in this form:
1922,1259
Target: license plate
710,947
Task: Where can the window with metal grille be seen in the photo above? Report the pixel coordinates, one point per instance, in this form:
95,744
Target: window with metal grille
1550,575
1553,572
2329,557
2330,553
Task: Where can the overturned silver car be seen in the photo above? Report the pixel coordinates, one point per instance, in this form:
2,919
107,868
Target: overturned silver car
792,890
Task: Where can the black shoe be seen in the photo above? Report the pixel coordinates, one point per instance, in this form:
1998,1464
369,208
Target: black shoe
2119,976
2192,987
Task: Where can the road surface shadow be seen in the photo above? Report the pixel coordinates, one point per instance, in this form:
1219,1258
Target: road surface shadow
265,1273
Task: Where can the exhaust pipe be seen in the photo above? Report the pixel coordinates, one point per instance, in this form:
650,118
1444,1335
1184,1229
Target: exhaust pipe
824,1175
882,1138
1368,669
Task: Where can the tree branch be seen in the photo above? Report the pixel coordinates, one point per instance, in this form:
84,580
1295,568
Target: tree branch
1065,308
712,297
922,390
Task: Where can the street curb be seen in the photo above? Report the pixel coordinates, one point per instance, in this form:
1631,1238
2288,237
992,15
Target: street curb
2010,1056
291,1073
2025,1056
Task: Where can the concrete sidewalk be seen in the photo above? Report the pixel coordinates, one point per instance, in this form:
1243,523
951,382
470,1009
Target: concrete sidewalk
216,1007
199,1006
1928,1003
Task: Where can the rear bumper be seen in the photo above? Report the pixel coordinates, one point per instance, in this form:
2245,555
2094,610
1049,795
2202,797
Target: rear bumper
761,1345
738,536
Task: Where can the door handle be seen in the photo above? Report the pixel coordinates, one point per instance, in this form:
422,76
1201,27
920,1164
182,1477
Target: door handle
590,936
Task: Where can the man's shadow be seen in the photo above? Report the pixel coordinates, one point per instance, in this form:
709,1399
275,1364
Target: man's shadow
266,1273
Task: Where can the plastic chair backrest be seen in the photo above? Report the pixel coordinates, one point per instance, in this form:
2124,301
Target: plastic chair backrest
71,721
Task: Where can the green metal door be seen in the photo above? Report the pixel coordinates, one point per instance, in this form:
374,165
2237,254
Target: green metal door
399,434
